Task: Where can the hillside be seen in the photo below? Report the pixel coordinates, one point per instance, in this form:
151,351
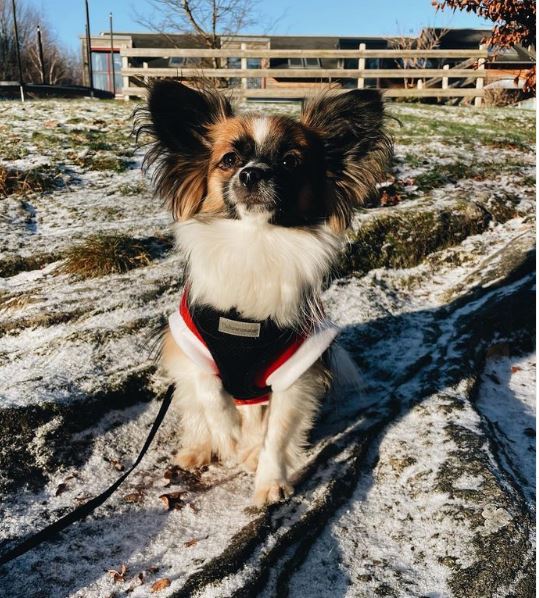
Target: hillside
419,483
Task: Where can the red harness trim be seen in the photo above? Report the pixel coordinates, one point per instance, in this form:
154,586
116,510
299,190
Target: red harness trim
263,376
186,315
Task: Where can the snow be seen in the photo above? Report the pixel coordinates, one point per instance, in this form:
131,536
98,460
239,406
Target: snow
65,340
507,400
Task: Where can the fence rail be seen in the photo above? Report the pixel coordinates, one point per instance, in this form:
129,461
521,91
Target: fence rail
403,80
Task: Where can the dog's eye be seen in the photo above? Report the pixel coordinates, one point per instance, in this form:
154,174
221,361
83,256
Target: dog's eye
228,161
290,161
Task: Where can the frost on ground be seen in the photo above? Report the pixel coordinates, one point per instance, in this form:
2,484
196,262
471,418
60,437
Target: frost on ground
420,483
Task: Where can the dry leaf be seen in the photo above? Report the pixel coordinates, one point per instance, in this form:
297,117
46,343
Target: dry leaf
191,542
134,497
173,500
389,197
515,369
160,584
118,575
135,583
60,488
118,465
176,475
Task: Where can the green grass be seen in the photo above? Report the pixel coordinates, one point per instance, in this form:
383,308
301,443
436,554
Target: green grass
402,239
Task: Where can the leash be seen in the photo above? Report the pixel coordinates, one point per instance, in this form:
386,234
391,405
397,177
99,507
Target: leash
48,533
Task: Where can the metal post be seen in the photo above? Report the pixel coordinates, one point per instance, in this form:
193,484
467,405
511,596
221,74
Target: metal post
18,49
89,51
112,56
41,57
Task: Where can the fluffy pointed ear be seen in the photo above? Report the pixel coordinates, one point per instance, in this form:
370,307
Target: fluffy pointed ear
178,119
355,146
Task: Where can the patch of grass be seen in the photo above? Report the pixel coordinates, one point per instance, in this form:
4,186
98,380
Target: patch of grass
106,162
414,161
132,188
100,255
12,265
444,174
493,132
21,182
403,239
14,150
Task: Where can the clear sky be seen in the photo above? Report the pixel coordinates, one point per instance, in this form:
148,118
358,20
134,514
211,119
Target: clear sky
300,17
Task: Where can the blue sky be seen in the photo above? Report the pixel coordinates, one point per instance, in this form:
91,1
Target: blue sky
300,17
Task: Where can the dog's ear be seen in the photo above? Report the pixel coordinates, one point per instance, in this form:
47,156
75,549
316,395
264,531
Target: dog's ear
178,118
356,149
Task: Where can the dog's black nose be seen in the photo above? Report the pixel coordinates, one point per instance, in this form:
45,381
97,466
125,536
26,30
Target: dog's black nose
250,176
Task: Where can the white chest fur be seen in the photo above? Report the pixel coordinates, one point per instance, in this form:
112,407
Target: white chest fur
261,269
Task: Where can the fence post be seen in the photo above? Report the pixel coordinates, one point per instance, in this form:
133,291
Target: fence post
243,66
125,79
361,67
145,66
445,80
480,81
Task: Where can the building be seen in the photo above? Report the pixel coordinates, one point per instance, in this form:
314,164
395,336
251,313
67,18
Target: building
511,63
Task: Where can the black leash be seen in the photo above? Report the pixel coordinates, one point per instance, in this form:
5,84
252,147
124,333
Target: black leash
85,509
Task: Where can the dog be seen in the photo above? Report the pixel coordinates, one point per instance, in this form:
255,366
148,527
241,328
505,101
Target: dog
262,204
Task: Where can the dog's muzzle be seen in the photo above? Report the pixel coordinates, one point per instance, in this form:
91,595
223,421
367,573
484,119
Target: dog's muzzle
253,186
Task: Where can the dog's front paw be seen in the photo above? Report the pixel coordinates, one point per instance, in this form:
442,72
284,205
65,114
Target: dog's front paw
191,458
270,492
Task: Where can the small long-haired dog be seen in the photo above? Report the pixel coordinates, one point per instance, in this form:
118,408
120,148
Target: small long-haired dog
262,204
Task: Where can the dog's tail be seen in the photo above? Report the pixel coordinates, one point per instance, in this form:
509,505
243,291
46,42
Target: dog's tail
346,377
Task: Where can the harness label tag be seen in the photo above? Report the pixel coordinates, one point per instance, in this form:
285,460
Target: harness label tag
236,328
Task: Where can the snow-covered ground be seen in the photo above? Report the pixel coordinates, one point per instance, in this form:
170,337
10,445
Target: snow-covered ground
421,483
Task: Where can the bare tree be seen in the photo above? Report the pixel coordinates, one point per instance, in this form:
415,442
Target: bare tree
428,39
206,20
61,65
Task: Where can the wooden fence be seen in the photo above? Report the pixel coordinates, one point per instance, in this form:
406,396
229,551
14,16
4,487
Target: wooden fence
286,83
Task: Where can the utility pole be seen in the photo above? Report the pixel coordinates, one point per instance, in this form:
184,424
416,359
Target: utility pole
112,56
41,58
89,51
18,49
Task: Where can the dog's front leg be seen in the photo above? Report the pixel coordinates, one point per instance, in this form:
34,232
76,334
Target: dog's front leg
291,415
209,418
221,414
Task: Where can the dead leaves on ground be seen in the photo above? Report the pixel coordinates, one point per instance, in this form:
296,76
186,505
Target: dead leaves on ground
173,501
160,584
175,475
119,576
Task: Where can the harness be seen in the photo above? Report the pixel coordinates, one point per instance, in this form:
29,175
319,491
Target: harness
252,358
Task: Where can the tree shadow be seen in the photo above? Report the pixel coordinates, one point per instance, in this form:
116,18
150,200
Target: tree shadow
439,347
436,347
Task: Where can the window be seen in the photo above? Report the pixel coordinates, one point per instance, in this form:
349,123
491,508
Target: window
312,63
304,63
102,69
182,62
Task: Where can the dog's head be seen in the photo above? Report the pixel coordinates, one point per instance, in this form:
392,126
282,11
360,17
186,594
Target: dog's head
288,172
